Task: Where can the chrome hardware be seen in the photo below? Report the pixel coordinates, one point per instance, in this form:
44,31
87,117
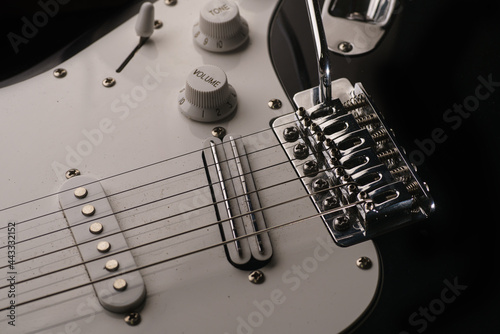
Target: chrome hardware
355,27
353,158
236,202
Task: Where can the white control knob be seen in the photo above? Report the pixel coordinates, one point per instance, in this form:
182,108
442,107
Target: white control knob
207,97
221,28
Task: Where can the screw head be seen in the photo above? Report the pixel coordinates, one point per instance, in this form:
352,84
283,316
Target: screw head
170,2
341,223
133,318
72,173
275,104
109,82
256,277
219,132
319,185
310,168
158,24
300,151
291,134
60,73
345,47
364,263
330,202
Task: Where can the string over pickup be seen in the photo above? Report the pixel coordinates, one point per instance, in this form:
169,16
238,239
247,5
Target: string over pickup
237,203
357,159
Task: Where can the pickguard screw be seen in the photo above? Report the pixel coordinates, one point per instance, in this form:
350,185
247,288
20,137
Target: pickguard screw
133,318
170,2
275,104
158,24
256,277
219,132
345,47
109,82
364,263
72,173
60,73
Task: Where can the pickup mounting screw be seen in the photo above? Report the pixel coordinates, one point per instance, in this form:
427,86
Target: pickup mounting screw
364,263
72,173
256,277
219,132
133,318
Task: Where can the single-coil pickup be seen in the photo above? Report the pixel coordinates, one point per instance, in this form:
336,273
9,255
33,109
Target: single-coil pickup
102,244
237,203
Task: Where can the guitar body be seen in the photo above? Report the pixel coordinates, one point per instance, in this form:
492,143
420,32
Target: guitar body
148,158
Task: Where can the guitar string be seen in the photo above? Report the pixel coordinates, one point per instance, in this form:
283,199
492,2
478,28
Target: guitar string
160,219
129,189
140,205
146,166
108,255
293,222
137,169
145,204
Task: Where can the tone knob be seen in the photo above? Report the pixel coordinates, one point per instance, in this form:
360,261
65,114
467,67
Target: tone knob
207,97
220,28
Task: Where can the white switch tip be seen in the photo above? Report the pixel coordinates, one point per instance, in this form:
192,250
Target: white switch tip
145,20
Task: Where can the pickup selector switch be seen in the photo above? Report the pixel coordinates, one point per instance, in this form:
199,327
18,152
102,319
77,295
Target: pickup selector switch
220,28
207,96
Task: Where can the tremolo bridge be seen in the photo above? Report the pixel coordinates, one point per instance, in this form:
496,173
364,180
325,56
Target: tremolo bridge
344,153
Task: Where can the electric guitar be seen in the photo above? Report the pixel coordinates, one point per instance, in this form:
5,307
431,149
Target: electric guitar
167,178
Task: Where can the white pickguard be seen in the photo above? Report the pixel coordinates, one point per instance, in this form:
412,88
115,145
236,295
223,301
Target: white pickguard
50,125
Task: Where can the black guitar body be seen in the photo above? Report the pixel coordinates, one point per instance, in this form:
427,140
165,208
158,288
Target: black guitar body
436,77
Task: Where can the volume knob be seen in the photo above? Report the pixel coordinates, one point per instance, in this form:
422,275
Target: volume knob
221,28
207,96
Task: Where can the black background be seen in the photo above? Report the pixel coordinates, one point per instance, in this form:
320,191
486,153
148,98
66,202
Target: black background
429,60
